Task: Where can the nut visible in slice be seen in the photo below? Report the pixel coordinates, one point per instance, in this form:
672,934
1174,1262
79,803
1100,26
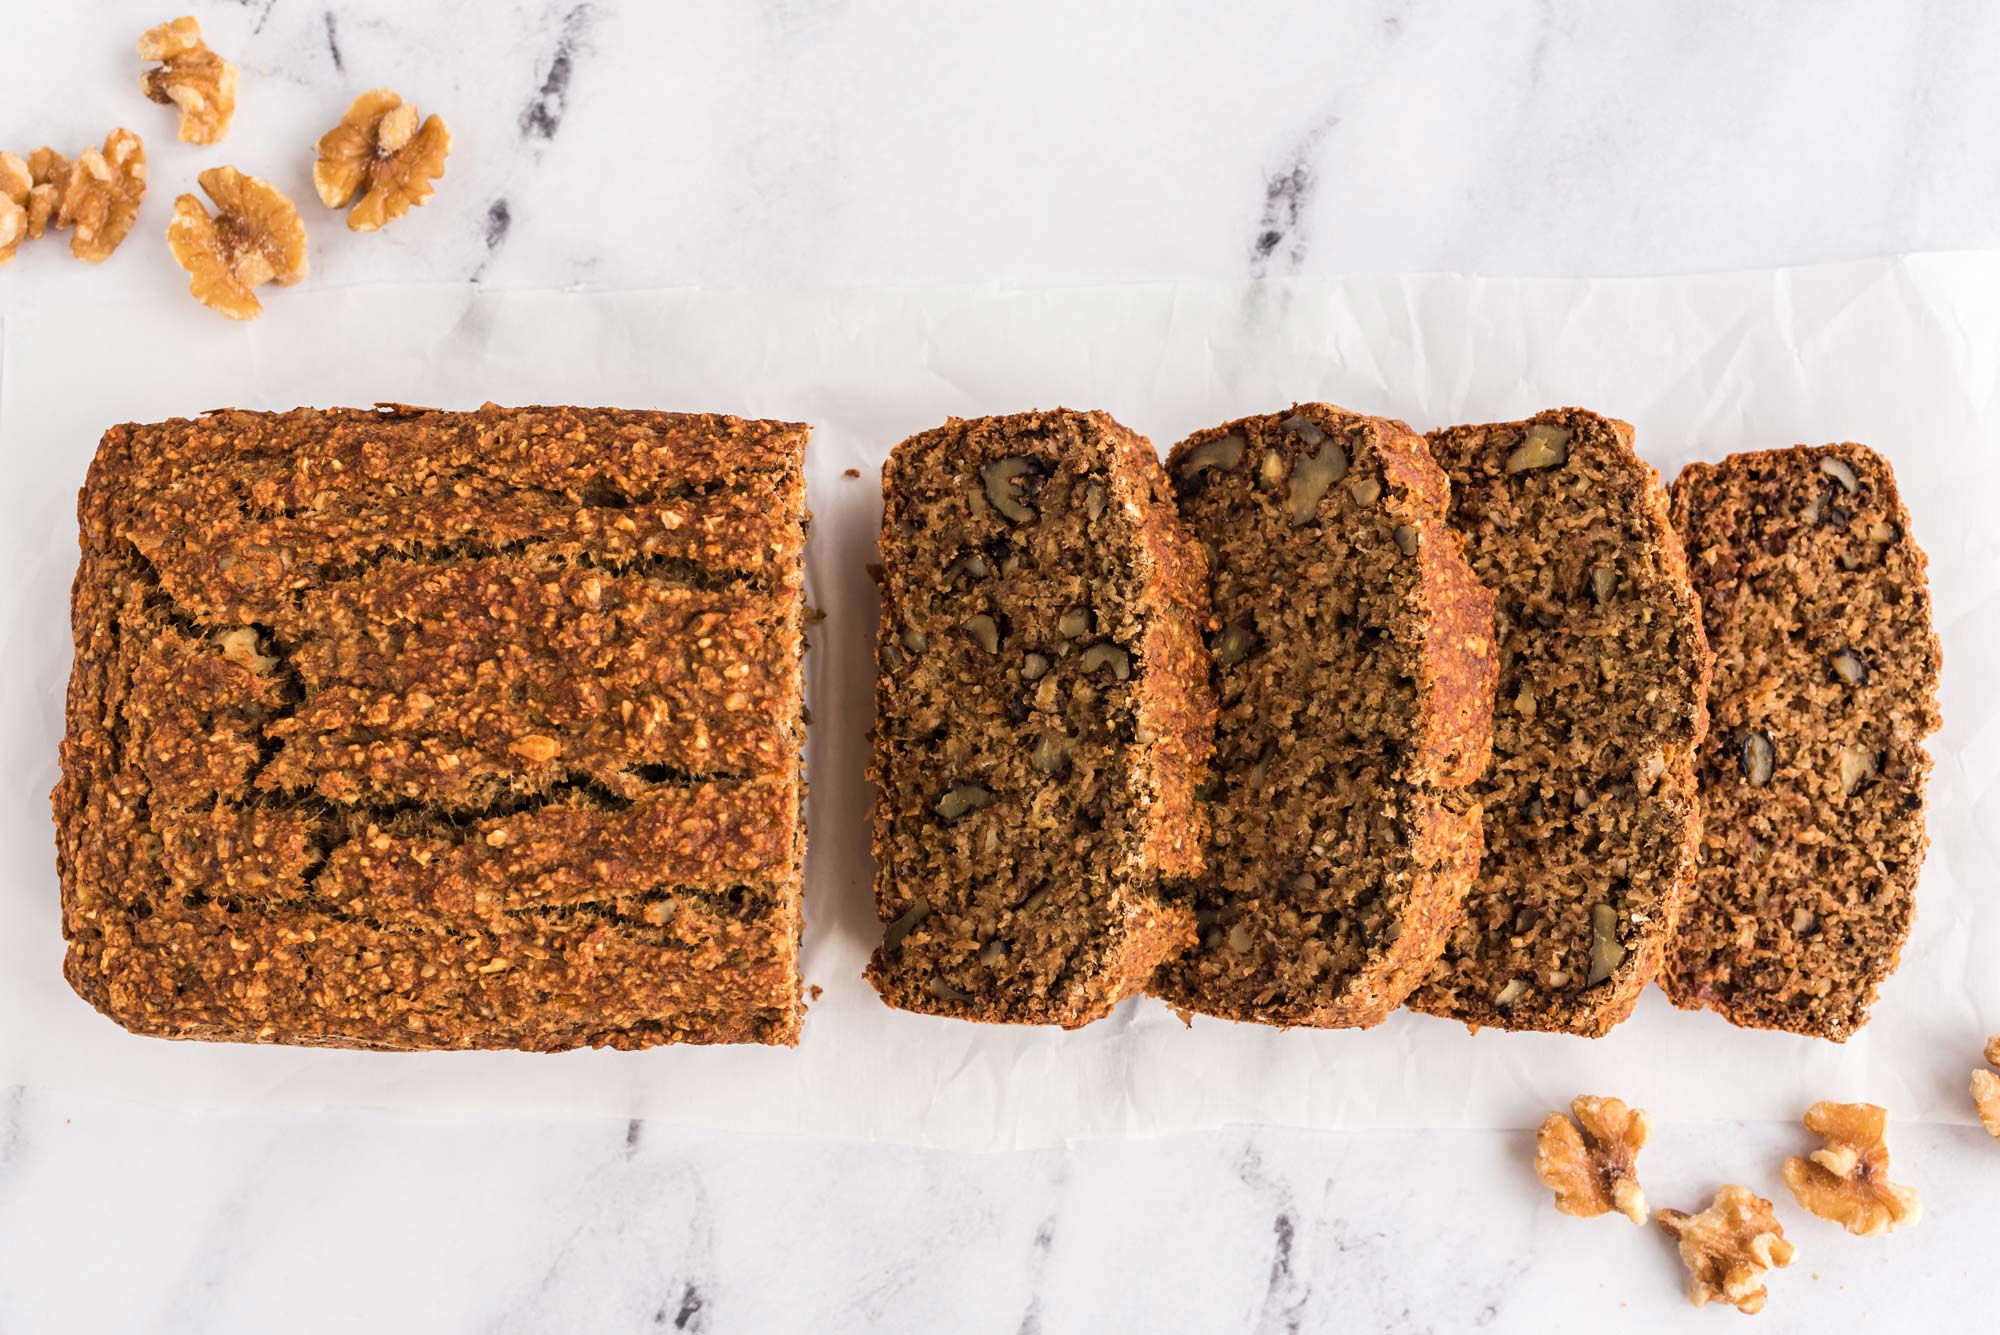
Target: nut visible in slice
254,238
1234,645
191,77
1075,623
535,748
1365,491
962,798
1842,472
1603,584
1757,757
1406,539
1591,1164
381,153
920,908
1311,476
1034,667
100,196
1008,482
1850,668
1606,954
1271,471
1847,1181
1857,766
985,632
1224,452
1107,654
239,646
1729,1248
1543,446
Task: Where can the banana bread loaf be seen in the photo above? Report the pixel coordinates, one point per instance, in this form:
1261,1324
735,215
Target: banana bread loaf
413,729
1812,781
1043,717
1354,666
1590,811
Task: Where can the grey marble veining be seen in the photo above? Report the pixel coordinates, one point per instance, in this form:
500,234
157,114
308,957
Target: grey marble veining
618,143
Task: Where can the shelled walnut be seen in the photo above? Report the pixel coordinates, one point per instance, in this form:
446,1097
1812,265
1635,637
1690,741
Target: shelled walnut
1729,1248
15,183
1986,1089
48,171
254,238
1591,1163
1847,1181
100,195
381,153
191,77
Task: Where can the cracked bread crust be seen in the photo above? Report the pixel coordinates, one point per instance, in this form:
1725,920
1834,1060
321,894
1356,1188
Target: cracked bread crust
409,729
1813,779
1043,717
1590,811
1354,668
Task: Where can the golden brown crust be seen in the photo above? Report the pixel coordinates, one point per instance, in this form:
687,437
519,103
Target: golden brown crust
1827,666
406,729
1042,719
1590,814
1354,665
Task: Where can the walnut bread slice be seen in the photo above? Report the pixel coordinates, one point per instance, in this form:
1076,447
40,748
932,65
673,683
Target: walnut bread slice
1826,681
1043,717
414,729
1354,662
1590,811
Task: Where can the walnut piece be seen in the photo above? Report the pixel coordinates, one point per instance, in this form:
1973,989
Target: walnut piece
1986,1090
254,238
1591,1163
1847,1181
100,195
49,172
15,184
191,77
1729,1248
379,152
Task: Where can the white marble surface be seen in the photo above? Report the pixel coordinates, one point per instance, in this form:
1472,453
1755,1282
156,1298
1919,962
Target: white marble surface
794,143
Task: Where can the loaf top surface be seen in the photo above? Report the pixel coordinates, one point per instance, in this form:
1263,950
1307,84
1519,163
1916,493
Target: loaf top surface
403,728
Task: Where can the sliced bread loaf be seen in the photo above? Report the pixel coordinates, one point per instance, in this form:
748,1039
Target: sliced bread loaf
1812,782
1354,669
1043,717
1590,815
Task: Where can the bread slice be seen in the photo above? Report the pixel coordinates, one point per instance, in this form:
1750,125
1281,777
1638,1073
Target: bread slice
1826,679
1590,813
1043,717
413,729
1354,673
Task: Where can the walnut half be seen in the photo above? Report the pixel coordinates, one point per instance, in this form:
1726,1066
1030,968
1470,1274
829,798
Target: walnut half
191,77
15,183
381,153
1986,1090
1847,1181
1729,1248
254,238
1591,1163
100,195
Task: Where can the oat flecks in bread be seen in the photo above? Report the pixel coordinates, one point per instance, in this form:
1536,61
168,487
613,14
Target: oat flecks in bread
413,729
1354,672
1043,718
1813,777
1590,812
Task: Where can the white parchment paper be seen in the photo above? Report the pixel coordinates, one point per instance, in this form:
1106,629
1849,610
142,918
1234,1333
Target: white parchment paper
1901,354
